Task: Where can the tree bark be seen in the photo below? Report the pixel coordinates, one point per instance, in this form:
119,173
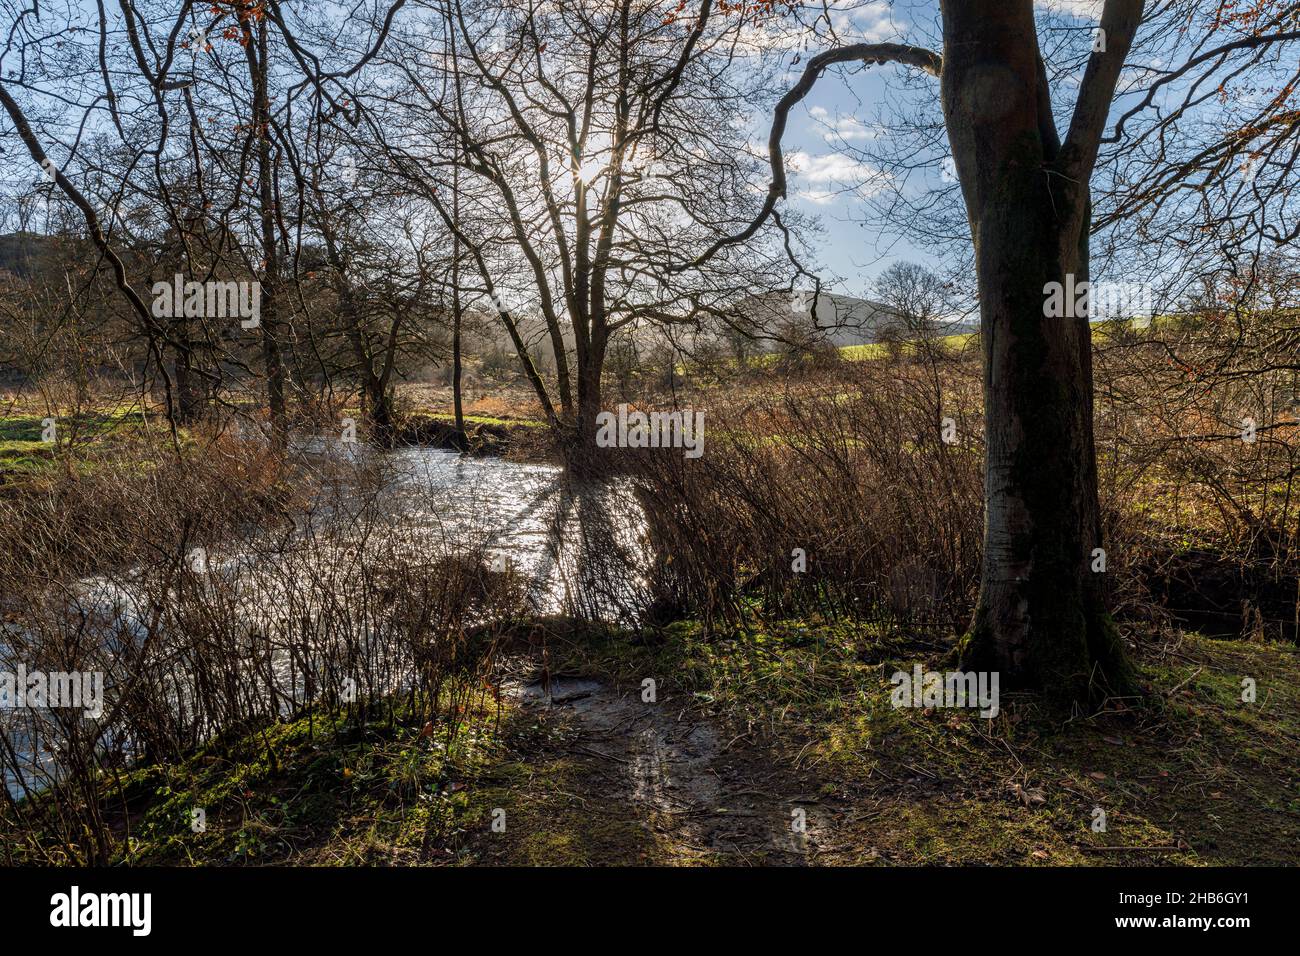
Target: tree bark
457,362
1041,620
191,389
584,458
269,320
457,306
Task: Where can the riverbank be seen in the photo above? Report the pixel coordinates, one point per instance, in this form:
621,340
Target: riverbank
519,439
36,446
778,746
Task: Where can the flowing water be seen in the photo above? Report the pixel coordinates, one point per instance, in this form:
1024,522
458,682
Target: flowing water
579,547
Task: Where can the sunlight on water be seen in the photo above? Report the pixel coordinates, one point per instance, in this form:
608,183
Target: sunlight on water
580,548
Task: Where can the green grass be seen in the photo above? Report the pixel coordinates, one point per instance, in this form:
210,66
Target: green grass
880,350
24,452
317,789
1102,331
21,448
489,420
1195,776
861,353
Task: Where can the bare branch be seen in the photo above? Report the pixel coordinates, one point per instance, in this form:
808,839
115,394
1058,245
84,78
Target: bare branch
867,53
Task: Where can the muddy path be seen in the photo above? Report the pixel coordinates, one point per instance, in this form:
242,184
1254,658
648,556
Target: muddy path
596,774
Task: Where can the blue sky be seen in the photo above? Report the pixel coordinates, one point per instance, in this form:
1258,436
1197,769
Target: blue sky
838,114
827,179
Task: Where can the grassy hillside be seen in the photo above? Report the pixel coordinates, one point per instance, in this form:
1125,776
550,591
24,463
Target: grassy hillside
748,733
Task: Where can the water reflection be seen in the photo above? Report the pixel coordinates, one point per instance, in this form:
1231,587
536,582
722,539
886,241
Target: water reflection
580,546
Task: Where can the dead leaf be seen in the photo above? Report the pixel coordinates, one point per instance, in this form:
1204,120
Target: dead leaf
1031,796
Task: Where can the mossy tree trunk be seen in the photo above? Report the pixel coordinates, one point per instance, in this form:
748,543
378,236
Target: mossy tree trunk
1041,619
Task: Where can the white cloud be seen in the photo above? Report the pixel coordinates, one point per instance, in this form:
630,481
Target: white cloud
819,197
826,177
828,167
845,128
870,24
873,22
1083,9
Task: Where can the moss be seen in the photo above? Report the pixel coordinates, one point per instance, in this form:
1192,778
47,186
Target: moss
81,439
1205,778
318,789
490,420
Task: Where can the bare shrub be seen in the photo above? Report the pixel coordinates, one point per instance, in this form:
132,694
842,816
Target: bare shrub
852,470
205,618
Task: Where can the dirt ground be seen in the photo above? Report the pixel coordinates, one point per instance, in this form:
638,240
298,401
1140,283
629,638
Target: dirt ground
621,778
594,773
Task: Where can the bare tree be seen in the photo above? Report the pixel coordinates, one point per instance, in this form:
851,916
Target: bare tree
588,144
1041,618
917,303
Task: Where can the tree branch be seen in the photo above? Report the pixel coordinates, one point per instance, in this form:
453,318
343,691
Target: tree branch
1119,24
96,232
867,53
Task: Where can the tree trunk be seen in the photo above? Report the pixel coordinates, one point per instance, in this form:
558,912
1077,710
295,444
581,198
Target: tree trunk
269,319
191,389
457,363
383,417
457,309
583,456
1041,620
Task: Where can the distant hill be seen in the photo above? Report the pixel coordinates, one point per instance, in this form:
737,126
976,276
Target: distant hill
835,320
18,252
